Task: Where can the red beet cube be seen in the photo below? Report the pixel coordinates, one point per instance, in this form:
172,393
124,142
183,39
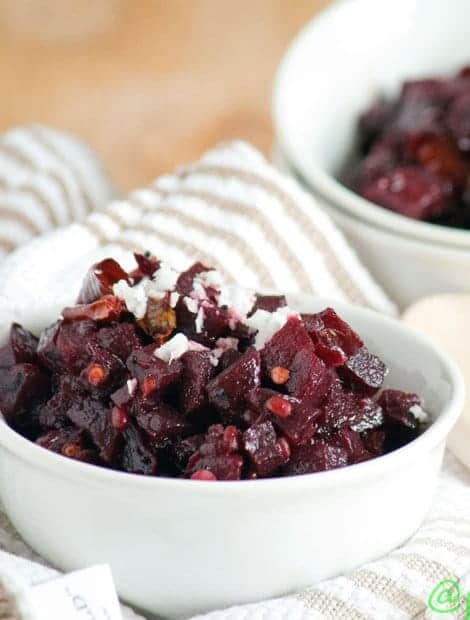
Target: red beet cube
20,347
21,386
197,371
100,279
282,348
309,459
363,372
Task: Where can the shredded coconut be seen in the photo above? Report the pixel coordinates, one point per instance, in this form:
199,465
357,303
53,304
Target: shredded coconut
174,299
199,320
135,297
173,349
165,278
237,299
419,413
131,386
268,323
191,304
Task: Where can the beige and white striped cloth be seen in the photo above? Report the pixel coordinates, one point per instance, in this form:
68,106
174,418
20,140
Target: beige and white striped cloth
233,210
47,179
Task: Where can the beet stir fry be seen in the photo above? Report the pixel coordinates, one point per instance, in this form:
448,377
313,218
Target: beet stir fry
416,151
164,373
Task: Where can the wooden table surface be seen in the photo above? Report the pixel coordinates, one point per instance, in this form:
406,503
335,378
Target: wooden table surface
149,84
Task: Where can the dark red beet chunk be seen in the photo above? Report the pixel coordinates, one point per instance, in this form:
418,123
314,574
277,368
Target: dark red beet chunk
314,458
197,370
227,391
364,372
21,386
100,280
98,388
414,151
270,303
20,347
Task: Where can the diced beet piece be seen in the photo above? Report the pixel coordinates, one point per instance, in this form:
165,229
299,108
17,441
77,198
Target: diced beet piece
266,452
63,345
53,414
184,448
216,324
147,265
374,121
197,371
364,372
69,442
100,279
308,377
397,407
218,453
351,441
124,395
439,155
226,392
270,303
137,456
374,441
162,423
458,121
309,459
93,416
382,158
154,375
184,285
119,339
228,357
282,348
226,467
412,191
104,372
346,409
21,386
334,339
20,348
104,310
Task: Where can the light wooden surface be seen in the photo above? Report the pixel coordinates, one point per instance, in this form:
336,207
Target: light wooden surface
148,83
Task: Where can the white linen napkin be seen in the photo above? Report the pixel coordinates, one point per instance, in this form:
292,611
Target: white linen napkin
234,211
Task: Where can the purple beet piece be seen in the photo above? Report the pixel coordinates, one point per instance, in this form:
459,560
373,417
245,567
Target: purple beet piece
226,392
412,191
197,371
382,157
21,386
333,338
270,303
69,442
397,407
228,357
119,339
374,441
137,457
20,347
154,375
266,452
182,449
309,459
184,285
147,265
458,121
100,280
374,121
104,372
219,453
351,441
62,346
363,372
282,348
346,409
308,377
162,423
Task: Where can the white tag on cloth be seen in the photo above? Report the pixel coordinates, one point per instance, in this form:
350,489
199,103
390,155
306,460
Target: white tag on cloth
83,595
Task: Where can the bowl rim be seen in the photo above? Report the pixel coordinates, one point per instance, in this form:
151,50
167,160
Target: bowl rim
325,184
92,475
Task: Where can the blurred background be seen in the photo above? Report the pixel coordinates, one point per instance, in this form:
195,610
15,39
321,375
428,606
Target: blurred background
149,84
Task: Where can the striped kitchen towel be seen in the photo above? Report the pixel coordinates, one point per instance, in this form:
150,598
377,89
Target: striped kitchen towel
47,179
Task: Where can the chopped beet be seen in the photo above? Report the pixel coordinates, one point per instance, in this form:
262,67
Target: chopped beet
282,348
100,279
270,303
213,403
21,386
414,151
184,284
197,371
309,459
20,347
364,372
227,391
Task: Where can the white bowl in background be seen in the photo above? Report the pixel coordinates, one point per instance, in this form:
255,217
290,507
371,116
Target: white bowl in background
406,268
336,67
177,547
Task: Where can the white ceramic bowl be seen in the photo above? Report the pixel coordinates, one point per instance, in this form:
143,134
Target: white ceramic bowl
408,269
345,58
177,547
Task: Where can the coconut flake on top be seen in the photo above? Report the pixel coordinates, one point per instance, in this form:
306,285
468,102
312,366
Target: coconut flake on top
135,297
173,349
165,278
268,323
237,299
